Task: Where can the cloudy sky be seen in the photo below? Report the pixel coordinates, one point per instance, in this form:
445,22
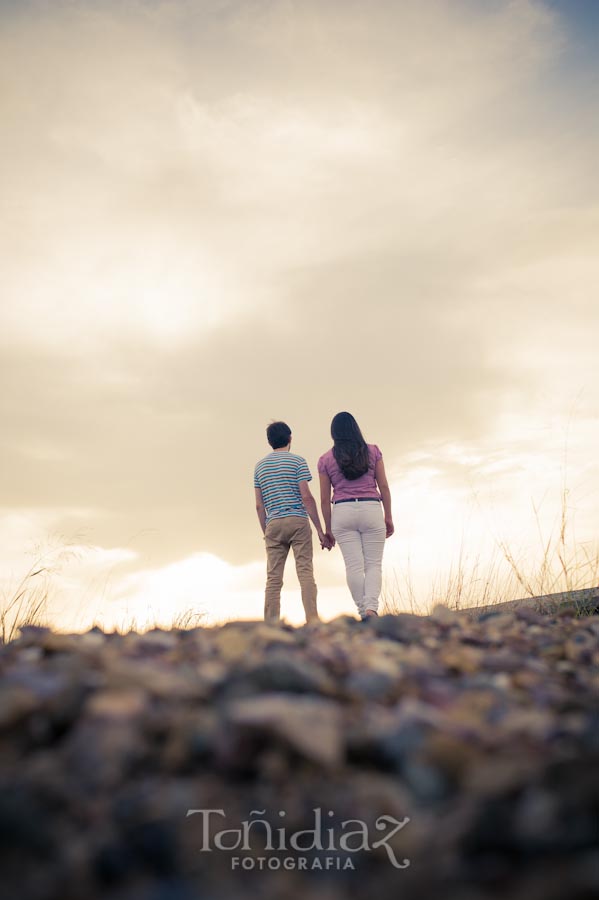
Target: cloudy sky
222,212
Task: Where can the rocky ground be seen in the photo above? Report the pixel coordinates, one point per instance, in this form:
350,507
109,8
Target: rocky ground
466,749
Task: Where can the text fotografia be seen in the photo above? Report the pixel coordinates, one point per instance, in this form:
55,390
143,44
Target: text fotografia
353,836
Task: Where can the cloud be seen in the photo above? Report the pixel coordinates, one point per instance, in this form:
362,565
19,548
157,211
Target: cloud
218,214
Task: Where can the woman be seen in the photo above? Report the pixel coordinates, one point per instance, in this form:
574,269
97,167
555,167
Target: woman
356,473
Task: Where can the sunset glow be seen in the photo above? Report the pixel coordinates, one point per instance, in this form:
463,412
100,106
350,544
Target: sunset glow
219,214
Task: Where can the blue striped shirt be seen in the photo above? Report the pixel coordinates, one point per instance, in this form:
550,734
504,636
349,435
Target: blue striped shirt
278,476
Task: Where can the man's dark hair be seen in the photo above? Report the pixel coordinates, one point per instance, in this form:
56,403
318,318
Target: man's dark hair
278,435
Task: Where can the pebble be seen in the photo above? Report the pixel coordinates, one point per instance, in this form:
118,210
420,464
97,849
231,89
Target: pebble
309,726
279,673
481,730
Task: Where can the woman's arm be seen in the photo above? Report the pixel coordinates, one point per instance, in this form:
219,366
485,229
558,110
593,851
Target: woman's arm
325,504
383,485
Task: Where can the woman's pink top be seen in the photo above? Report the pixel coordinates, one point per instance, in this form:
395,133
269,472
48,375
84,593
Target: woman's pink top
343,488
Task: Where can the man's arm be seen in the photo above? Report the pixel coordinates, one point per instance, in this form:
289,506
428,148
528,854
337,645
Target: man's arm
260,509
310,506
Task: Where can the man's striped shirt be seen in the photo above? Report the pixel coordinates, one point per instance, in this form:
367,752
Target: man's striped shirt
278,476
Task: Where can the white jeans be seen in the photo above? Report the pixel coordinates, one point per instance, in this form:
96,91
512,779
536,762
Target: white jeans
359,529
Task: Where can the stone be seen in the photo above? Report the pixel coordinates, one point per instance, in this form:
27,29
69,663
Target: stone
31,635
371,685
417,657
529,615
403,627
581,646
156,641
16,703
279,673
481,730
311,727
462,657
231,643
444,616
157,679
272,636
117,704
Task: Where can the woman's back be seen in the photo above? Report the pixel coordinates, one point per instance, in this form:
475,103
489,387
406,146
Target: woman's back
350,489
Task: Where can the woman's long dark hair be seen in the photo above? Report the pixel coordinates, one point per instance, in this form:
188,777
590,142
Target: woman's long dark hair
349,447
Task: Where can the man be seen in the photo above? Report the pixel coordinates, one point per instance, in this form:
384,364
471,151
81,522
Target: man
284,503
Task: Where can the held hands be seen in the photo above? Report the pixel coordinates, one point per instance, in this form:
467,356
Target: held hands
327,541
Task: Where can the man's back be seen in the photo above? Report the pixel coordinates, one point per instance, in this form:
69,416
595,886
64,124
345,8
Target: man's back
278,476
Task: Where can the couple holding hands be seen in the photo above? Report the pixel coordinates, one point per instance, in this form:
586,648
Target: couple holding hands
356,509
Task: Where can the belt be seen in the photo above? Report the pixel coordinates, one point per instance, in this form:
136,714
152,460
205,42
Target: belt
358,500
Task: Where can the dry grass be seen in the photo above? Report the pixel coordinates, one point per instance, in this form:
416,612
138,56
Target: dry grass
182,621
27,603
563,566
188,619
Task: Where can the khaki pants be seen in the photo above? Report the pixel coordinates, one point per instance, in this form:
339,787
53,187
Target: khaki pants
280,535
